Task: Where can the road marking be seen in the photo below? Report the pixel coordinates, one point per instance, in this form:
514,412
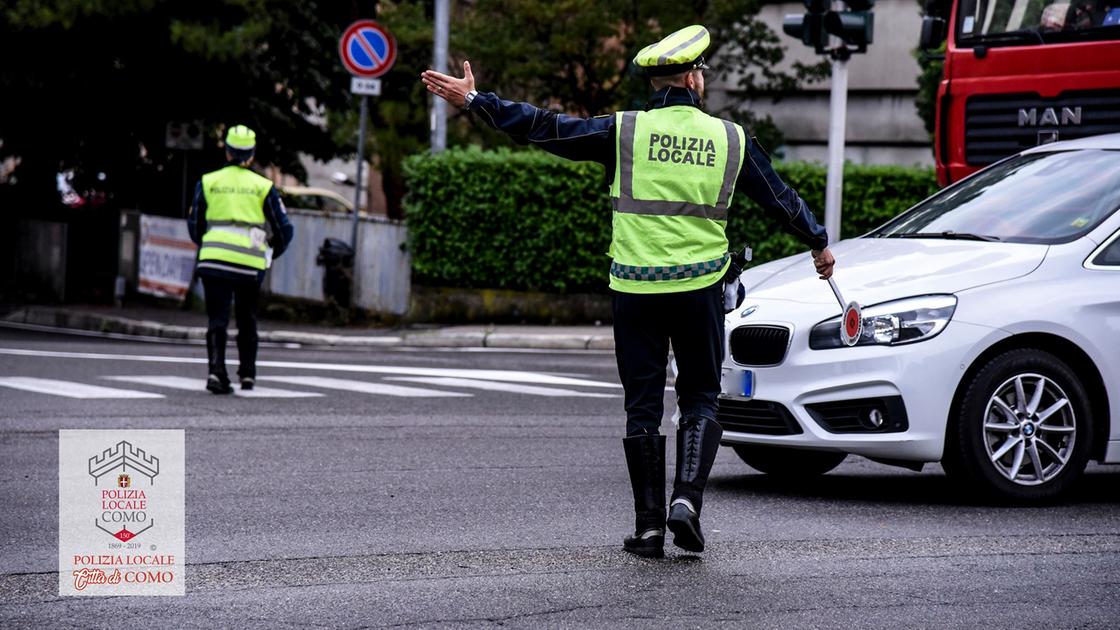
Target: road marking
199,385
498,387
70,389
364,387
511,376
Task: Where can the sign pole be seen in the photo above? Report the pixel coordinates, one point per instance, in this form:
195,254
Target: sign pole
358,182
368,51
186,195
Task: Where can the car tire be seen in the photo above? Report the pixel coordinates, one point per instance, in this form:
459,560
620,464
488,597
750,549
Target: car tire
997,446
791,463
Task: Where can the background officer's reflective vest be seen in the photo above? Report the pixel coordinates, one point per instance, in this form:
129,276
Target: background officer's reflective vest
673,181
235,222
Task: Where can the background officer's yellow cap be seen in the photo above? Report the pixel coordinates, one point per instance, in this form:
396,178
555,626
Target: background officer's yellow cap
677,53
241,137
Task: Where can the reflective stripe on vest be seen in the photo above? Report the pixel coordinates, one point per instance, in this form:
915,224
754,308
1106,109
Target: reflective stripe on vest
674,272
235,218
674,181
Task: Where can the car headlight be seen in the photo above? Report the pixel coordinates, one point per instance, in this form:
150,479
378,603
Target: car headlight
891,323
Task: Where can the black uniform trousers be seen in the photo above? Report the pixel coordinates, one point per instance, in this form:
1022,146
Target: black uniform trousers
245,293
644,326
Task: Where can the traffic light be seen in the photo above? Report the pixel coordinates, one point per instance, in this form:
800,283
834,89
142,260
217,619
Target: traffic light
809,28
855,26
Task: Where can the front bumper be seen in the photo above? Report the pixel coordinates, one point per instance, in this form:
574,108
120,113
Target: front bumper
925,375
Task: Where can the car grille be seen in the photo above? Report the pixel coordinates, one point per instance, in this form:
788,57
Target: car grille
993,130
759,345
756,416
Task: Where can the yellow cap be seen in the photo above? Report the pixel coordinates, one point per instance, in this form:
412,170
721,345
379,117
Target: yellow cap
241,137
677,53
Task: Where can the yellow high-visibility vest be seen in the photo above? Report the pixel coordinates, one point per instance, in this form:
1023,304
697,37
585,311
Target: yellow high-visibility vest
235,221
673,183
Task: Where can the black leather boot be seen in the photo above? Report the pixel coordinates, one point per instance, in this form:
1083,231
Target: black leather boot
645,459
697,444
218,380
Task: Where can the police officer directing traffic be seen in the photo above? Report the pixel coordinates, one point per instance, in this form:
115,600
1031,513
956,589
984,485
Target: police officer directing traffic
673,171
233,213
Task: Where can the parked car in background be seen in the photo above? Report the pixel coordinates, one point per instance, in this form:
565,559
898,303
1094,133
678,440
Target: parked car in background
308,198
990,341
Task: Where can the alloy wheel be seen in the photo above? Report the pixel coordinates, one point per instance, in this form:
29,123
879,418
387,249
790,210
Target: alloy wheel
1029,429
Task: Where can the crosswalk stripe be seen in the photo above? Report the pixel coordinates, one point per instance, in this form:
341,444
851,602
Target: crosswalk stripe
364,387
512,376
70,389
496,386
199,385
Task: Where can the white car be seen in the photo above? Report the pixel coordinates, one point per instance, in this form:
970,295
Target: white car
990,341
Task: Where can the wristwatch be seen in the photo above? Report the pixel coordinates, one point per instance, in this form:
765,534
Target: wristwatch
469,98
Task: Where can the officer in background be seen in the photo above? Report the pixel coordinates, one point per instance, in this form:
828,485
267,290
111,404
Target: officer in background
233,213
673,170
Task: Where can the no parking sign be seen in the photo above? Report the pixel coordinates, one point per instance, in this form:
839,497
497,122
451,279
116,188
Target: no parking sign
367,49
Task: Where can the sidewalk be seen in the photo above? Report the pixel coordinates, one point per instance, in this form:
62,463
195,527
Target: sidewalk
177,324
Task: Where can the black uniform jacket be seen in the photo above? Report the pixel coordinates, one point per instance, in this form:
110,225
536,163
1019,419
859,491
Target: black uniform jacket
592,139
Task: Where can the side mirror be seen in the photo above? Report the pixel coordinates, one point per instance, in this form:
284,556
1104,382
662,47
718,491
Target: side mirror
933,33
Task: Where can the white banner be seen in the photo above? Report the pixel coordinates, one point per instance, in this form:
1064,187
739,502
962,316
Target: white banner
121,512
167,257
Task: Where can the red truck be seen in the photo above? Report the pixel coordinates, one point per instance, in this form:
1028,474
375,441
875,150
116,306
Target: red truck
1018,73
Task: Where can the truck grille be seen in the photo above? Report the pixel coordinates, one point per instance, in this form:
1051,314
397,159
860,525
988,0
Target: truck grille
759,345
1001,125
756,416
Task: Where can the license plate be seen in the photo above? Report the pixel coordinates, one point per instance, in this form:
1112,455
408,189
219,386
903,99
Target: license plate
737,383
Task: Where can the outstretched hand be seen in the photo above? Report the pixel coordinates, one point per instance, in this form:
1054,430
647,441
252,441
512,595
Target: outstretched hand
449,88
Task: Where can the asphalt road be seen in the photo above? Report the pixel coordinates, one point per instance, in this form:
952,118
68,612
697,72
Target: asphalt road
495,507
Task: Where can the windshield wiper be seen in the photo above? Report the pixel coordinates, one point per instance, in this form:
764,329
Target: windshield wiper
1006,37
947,234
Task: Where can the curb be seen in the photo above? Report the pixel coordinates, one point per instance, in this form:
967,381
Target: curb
60,318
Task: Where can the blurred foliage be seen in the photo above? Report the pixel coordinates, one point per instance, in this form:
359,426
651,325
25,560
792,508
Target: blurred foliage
932,64
928,80
531,221
574,56
92,84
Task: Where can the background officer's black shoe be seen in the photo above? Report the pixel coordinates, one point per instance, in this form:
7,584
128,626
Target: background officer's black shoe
218,385
645,460
248,383
685,525
648,544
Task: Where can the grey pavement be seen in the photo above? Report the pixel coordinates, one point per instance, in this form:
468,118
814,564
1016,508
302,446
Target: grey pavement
507,508
187,326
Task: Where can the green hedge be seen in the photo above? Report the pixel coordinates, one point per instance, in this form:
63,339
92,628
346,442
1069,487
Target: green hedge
527,220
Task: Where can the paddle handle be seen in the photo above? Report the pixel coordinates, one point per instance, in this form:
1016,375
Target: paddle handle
836,292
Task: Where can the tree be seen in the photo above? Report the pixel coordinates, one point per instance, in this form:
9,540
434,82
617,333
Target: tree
574,56
93,83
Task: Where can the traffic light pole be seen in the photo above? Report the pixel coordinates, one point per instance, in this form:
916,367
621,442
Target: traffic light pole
837,118
851,23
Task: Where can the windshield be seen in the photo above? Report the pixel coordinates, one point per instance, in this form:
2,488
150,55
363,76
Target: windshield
1032,22
1036,198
